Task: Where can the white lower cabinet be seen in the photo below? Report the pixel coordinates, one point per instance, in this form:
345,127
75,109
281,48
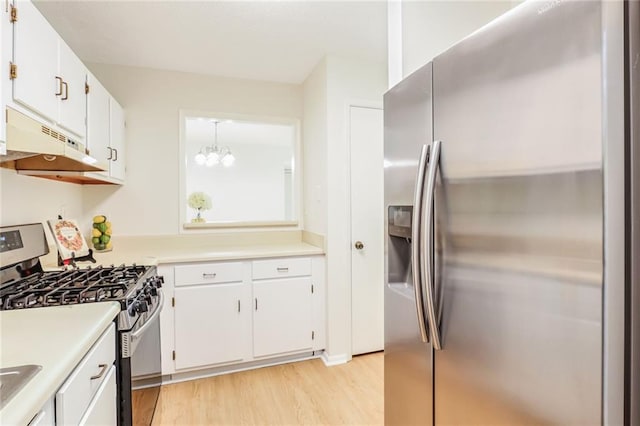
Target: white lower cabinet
103,409
87,394
212,324
249,311
282,317
46,416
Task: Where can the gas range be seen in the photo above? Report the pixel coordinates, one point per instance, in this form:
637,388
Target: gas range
24,285
134,287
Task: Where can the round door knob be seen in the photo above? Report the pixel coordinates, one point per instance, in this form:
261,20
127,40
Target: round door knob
358,245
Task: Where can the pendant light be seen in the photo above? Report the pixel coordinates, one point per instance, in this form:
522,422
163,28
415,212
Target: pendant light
212,155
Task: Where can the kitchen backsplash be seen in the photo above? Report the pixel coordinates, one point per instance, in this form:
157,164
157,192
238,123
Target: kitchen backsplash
29,200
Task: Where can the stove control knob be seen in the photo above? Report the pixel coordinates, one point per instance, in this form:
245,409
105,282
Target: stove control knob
141,306
154,291
132,310
159,281
148,299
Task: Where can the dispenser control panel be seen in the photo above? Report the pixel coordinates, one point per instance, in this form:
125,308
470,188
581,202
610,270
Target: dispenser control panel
400,221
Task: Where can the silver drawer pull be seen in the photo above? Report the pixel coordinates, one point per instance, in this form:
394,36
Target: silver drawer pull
101,373
282,269
205,275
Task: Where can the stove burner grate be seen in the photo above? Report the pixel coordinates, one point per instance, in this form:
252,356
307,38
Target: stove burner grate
55,288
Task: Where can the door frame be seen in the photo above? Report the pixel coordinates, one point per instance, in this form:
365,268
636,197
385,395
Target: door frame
350,103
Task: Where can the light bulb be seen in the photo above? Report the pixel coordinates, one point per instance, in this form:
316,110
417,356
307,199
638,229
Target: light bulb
212,159
228,160
200,158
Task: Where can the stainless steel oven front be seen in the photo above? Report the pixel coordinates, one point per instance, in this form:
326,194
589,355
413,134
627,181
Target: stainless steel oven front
140,373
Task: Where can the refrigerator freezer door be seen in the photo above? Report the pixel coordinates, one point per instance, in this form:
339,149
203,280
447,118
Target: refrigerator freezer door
517,106
408,377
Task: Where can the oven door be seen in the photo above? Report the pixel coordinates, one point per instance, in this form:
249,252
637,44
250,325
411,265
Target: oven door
141,373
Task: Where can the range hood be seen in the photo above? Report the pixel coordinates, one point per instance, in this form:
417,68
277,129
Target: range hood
33,146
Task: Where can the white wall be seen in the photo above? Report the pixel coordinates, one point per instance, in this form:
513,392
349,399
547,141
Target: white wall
428,28
149,202
26,199
314,148
348,82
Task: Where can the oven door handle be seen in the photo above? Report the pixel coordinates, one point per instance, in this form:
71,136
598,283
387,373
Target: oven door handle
139,332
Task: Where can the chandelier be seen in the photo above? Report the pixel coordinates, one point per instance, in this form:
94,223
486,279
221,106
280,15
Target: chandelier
211,155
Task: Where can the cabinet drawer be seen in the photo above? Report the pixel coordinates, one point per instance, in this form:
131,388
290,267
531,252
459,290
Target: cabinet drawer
46,415
209,273
280,268
76,393
103,409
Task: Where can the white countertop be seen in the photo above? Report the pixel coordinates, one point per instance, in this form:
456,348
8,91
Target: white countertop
56,338
201,254
155,250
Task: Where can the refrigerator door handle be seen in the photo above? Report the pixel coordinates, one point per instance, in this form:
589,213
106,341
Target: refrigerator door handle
416,234
427,244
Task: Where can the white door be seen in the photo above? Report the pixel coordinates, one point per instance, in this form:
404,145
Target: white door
73,101
117,167
212,324
98,127
367,229
282,316
35,52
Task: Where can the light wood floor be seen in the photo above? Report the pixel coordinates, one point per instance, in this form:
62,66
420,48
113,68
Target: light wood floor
301,393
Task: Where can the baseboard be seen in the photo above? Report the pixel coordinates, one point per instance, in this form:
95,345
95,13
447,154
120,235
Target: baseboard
331,360
202,373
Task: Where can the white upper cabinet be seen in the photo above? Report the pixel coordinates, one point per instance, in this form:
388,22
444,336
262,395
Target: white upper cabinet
35,56
105,132
117,123
5,60
73,101
98,124
49,78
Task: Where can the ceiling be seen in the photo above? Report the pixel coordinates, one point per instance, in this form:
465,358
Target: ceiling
278,41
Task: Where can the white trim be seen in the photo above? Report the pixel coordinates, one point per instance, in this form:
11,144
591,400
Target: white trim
184,227
331,360
394,41
195,374
241,224
182,208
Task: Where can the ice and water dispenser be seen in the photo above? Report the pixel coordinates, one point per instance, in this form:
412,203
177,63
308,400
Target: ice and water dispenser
399,246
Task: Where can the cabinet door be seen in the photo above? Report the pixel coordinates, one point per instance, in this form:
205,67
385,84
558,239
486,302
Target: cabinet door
212,324
282,316
103,408
73,101
117,167
98,127
35,52
46,416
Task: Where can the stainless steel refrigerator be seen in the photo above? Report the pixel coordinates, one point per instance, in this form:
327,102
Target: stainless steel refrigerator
512,213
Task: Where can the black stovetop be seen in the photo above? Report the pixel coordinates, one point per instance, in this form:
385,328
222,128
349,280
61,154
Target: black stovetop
55,288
